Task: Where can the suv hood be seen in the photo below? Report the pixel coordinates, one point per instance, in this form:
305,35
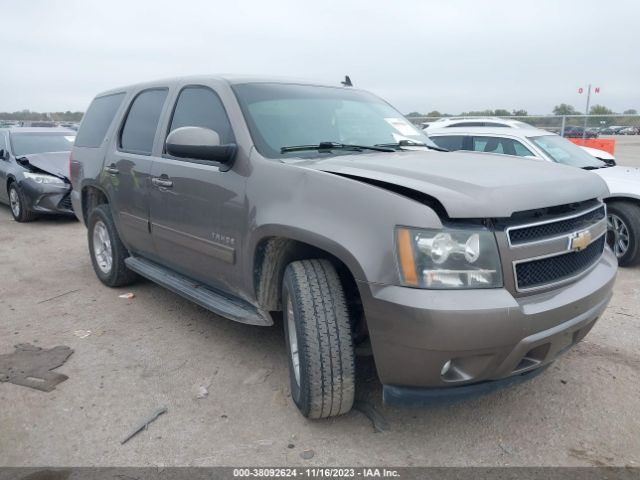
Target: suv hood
55,163
468,184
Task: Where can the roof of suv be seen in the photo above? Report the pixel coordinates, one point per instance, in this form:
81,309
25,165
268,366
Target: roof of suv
452,121
509,132
231,79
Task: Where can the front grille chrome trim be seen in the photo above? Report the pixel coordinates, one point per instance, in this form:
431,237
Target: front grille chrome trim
546,222
562,281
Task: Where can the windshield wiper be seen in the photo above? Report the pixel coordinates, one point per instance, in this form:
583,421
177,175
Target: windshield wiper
328,146
591,167
410,143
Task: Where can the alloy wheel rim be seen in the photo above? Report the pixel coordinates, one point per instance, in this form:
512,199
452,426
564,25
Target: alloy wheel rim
619,235
14,200
102,247
293,341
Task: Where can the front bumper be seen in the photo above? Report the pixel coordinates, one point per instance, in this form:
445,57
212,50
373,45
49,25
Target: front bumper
47,197
484,334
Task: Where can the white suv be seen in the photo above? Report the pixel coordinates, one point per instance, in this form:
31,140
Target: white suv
623,202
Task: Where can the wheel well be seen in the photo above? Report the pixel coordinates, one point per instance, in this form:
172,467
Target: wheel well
635,201
10,180
271,258
91,198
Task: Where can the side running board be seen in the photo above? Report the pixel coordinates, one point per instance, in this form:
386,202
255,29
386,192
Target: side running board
216,302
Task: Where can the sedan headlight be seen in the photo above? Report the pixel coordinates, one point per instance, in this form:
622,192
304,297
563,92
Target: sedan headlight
448,258
43,178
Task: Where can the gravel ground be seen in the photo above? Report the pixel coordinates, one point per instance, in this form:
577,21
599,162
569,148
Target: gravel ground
158,349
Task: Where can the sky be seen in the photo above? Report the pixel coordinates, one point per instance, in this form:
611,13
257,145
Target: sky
420,55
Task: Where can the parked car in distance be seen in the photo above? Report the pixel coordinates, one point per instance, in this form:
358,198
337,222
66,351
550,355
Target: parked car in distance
34,165
623,201
629,131
612,130
324,206
593,132
572,131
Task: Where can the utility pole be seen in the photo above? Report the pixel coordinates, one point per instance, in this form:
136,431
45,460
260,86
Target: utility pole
586,113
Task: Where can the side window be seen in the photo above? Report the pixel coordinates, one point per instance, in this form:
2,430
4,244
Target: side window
450,142
97,120
140,127
201,107
3,142
507,146
521,150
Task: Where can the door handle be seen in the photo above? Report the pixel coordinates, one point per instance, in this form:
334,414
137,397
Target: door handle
112,170
162,182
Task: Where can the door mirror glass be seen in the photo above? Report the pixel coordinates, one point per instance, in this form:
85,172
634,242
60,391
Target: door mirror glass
200,144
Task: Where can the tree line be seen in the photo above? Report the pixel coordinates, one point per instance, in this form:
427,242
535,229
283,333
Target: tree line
67,116
562,109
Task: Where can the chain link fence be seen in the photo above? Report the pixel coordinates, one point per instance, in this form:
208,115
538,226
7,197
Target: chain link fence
556,123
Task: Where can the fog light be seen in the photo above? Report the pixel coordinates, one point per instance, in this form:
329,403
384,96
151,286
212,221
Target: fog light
445,368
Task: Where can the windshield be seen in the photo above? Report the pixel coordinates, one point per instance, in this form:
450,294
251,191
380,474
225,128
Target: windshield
563,151
284,115
28,143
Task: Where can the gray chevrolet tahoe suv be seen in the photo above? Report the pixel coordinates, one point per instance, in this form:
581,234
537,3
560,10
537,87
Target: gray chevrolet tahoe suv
259,198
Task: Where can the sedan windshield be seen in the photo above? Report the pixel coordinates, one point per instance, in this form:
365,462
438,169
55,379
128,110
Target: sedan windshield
282,116
28,143
563,151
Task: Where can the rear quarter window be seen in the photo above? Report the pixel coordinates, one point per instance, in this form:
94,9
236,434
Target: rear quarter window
96,121
450,142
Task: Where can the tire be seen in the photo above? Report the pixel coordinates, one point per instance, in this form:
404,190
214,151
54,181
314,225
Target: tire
103,237
19,210
624,217
313,295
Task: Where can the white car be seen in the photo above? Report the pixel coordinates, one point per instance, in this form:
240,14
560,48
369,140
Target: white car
623,203
459,122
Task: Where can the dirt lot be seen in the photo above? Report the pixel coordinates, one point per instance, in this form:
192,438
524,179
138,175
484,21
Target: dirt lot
158,349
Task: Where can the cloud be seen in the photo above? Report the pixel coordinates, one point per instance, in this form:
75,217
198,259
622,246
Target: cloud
420,55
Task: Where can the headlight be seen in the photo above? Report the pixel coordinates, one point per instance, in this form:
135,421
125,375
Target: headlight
448,258
43,178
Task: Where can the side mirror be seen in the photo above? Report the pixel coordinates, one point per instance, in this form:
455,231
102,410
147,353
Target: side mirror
4,154
200,144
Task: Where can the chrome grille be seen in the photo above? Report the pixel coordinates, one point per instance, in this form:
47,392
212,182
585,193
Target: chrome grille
554,269
555,249
554,228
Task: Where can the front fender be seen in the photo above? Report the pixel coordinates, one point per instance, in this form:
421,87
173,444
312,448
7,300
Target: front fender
352,220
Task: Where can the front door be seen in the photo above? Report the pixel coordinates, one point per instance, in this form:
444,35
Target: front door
196,207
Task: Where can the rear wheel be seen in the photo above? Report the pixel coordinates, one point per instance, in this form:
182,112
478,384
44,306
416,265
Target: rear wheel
107,251
18,204
623,220
318,335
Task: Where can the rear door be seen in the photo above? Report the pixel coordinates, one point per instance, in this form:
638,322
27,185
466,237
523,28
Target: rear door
197,207
127,168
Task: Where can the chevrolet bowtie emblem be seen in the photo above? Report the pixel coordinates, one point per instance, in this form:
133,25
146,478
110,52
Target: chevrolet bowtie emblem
581,240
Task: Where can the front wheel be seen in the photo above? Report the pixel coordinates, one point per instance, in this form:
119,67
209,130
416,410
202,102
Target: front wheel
107,250
623,219
18,204
318,335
